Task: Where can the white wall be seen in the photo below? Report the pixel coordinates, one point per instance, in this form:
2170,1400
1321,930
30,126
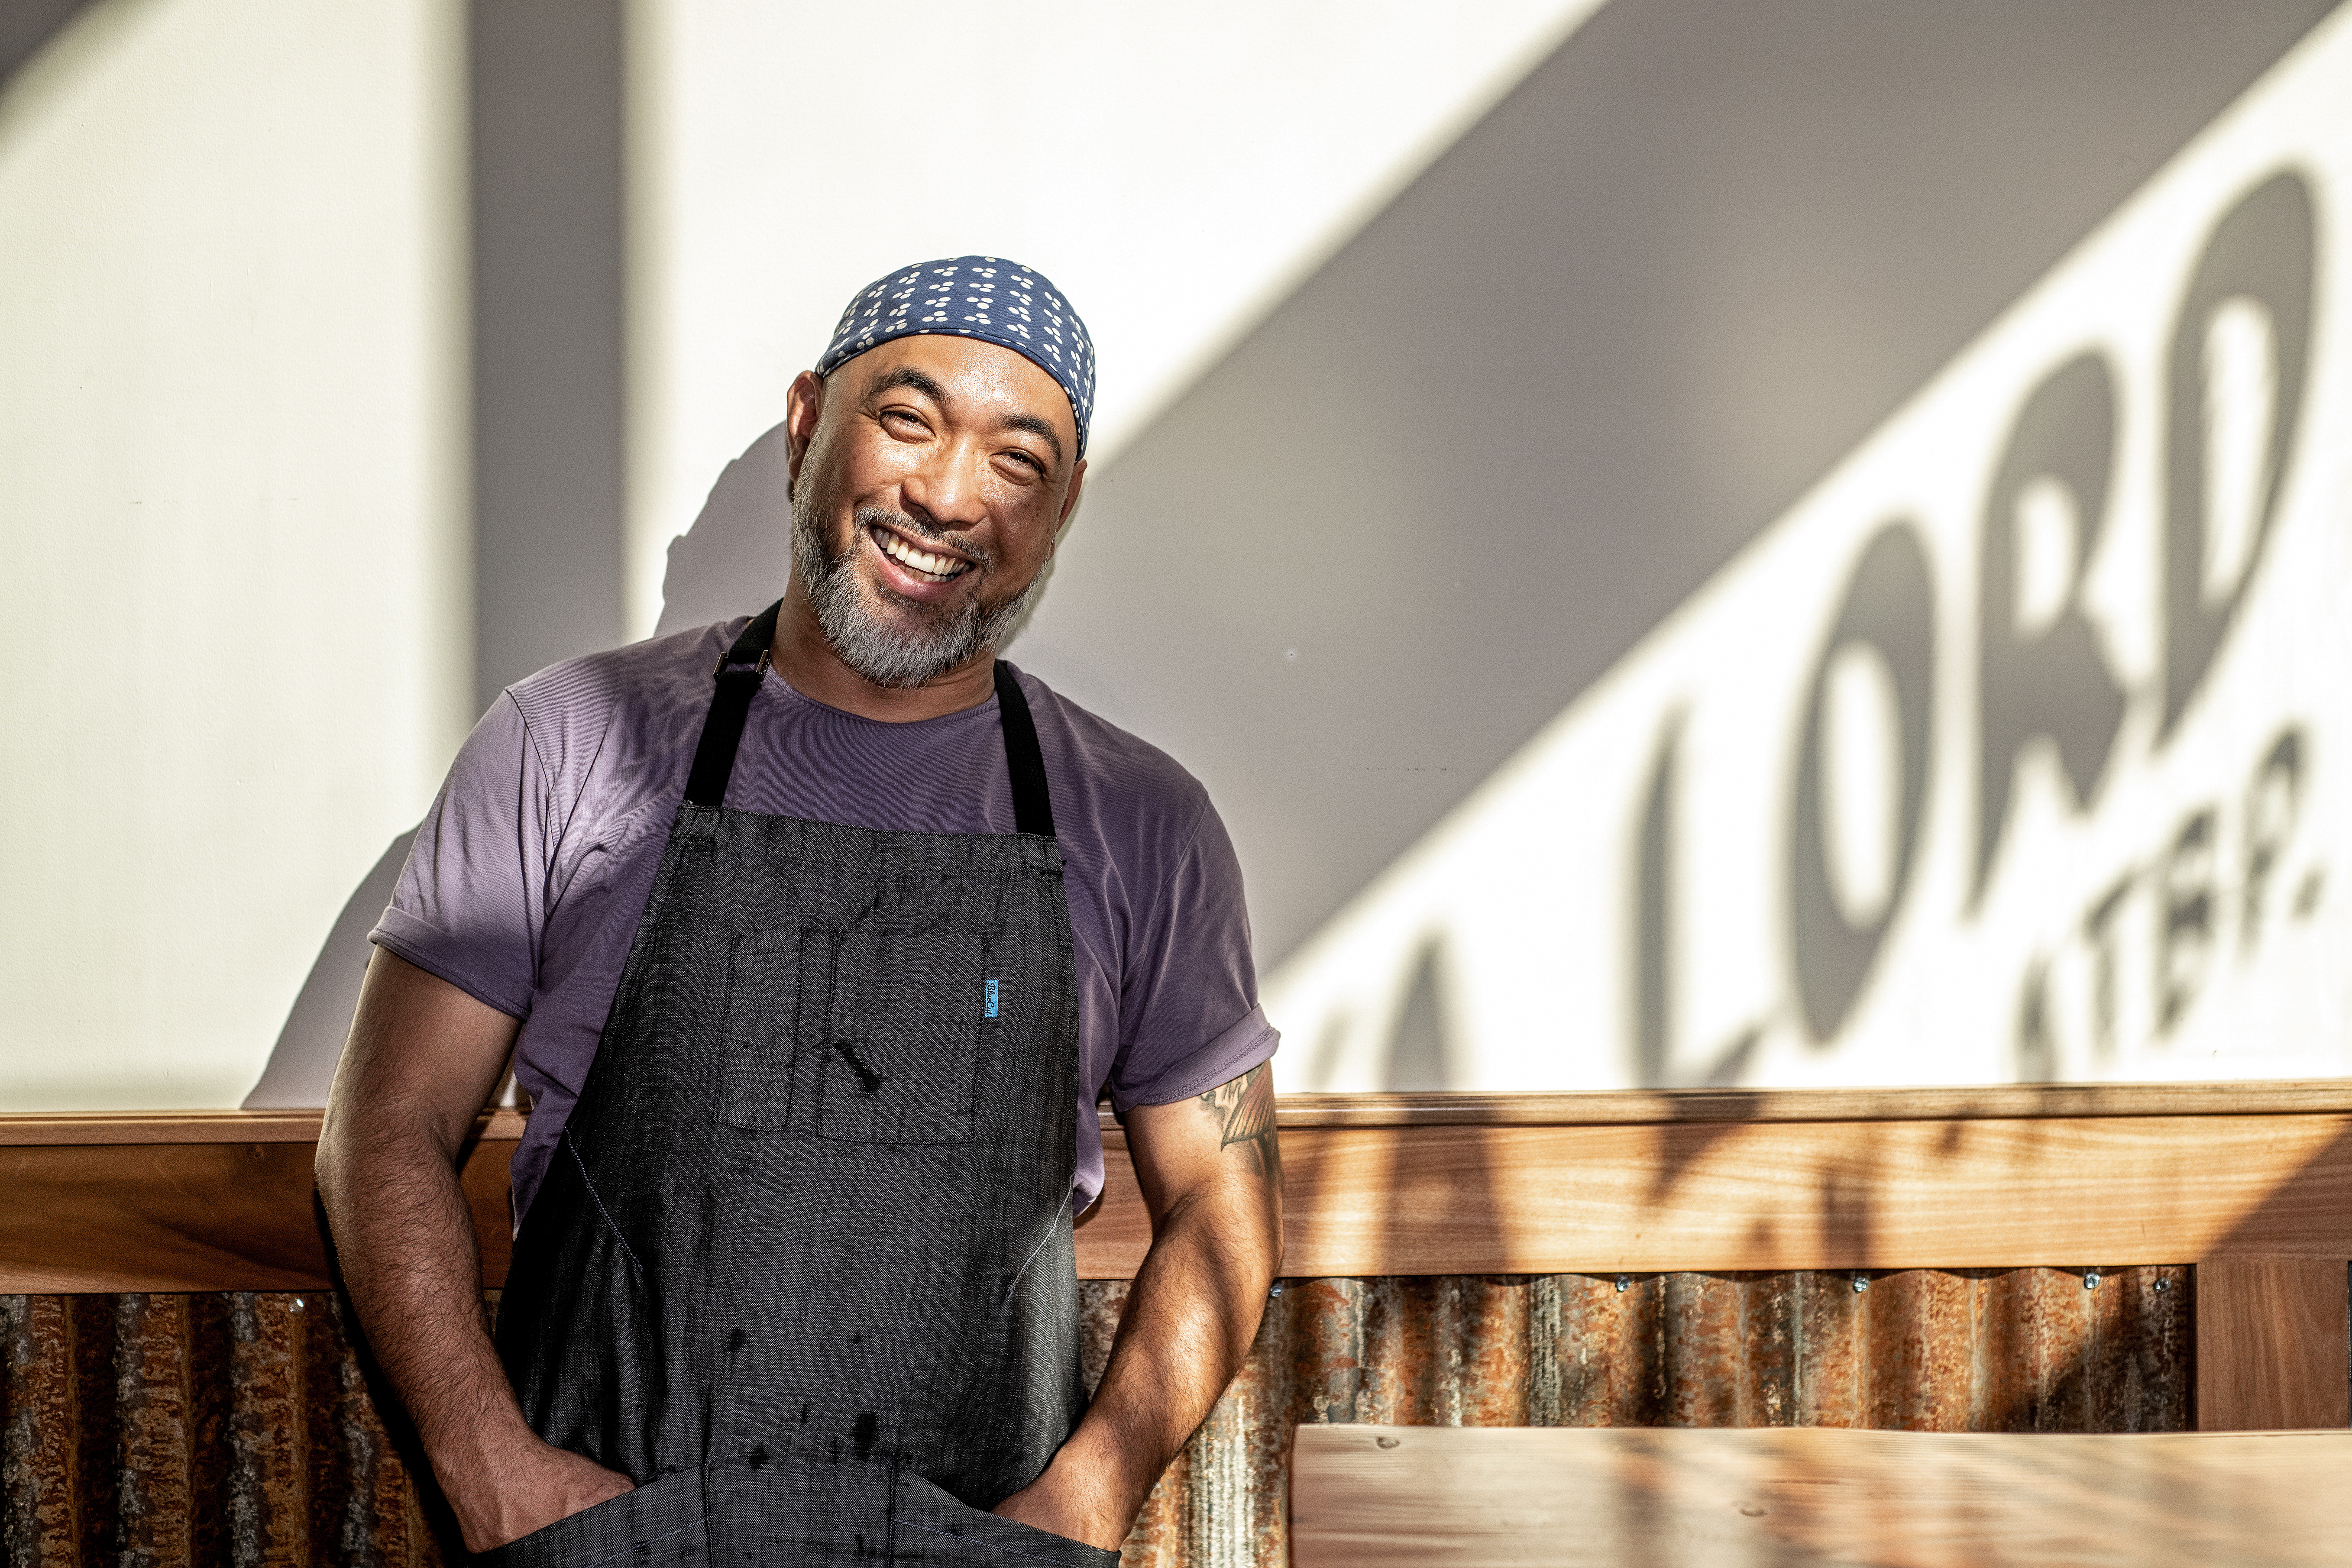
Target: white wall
1635,883
233,481
234,623
1176,170
231,491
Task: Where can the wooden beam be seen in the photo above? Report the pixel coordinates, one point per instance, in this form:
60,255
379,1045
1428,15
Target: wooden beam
220,1203
1404,1497
2273,1343
204,1214
2109,1190
1978,1102
1981,1103
54,1129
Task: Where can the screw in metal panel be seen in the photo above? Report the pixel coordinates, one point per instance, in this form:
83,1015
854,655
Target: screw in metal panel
1276,1290
1860,1282
298,1304
2164,1284
1624,1283
2090,1279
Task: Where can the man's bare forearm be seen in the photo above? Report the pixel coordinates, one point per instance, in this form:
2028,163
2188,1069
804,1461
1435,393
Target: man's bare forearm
422,1058
1211,1176
405,1240
1191,1316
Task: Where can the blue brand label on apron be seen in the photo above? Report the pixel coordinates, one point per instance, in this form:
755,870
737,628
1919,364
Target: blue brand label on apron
992,1000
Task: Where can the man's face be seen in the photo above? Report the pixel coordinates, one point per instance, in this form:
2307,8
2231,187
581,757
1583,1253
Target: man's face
931,475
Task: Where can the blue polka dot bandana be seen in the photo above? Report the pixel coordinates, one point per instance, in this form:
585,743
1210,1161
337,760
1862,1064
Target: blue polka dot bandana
984,296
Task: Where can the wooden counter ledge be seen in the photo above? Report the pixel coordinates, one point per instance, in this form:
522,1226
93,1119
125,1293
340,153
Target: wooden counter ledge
2251,1180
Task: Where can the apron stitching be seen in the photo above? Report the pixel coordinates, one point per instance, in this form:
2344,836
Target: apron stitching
1051,1230
799,1012
640,1545
974,1539
600,1209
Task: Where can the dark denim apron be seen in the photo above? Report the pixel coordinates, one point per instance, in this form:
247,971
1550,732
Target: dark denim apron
801,1267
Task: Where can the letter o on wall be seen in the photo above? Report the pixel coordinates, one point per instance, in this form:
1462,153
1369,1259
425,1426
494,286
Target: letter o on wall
1890,607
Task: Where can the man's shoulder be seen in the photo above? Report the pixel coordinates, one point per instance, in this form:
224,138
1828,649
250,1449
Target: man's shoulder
659,680
1123,777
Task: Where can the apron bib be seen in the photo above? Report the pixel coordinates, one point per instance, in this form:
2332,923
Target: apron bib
802,1264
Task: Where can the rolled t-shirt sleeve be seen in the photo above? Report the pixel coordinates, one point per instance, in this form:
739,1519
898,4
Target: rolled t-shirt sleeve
470,904
1189,1016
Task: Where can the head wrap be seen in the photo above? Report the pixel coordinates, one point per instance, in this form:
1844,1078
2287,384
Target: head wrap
984,296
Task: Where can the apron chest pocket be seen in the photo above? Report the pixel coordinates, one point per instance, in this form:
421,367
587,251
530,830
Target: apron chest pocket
900,1060
763,985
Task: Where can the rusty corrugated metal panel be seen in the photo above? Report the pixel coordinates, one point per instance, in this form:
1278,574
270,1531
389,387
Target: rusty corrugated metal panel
2008,1349
242,1428
161,1429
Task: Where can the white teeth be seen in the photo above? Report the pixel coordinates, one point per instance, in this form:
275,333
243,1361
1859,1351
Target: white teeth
937,567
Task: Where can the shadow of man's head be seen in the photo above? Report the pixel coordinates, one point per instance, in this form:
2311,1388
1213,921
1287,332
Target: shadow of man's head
739,554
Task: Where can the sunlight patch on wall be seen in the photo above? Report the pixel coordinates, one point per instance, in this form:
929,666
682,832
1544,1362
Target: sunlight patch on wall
1177,171
2014,751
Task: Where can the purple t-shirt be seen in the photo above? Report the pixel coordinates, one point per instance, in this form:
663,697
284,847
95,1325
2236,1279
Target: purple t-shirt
527,878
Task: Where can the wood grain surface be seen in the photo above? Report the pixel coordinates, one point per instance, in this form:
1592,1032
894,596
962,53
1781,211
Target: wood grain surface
222,1201
2102,1191
1611,1108
1389,1496
23,1130
2270,1346
200,1214
1960,1103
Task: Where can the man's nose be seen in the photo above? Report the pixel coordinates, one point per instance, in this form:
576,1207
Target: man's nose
947,489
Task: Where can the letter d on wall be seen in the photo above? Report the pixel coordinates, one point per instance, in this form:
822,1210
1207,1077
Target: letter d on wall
1856,825
2233,388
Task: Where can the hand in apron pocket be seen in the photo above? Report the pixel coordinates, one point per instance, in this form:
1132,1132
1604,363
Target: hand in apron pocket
928,1525
660,1524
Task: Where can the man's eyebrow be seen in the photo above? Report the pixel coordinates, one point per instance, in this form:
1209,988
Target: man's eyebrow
1037,427
907,376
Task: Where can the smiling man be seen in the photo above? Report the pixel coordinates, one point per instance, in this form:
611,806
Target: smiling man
814,937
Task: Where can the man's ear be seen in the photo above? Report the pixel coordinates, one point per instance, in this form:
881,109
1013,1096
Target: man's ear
1070,501
804,406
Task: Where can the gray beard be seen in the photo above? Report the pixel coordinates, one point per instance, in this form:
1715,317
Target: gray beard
863,636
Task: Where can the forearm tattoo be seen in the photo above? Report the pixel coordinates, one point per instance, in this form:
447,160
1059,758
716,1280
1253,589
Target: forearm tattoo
1243,1111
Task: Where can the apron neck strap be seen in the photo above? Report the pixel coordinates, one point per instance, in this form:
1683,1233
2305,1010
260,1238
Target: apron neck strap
739,674
1032,807
745,664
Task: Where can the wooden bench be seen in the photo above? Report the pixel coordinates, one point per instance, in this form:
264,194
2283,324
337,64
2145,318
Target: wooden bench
2252,1183
1420,1496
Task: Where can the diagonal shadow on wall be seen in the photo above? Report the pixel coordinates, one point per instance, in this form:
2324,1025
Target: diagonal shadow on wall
27,26
302,1063
731,563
